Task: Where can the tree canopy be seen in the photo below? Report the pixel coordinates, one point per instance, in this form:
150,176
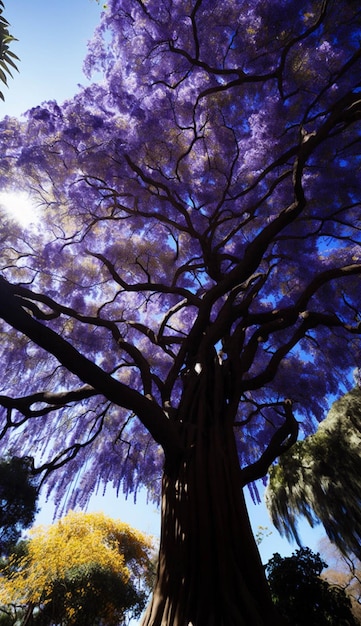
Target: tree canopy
319,478
86,568
193,292
225,236
18,499
302,596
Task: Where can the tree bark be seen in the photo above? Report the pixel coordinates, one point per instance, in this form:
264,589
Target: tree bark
210,572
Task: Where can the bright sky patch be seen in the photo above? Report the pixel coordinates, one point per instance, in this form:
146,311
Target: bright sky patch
20,206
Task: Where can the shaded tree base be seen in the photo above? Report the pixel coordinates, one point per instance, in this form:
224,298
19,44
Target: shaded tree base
210,572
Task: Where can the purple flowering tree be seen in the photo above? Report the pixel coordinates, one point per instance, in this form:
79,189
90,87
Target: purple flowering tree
191,295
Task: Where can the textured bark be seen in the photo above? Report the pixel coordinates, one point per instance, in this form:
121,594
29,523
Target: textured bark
210,572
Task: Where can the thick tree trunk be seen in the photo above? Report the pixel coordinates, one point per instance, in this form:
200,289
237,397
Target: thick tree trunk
210,572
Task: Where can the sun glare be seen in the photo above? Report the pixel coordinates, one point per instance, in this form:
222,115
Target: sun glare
20,206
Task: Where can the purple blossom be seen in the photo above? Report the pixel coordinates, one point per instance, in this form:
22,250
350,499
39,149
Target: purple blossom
201,206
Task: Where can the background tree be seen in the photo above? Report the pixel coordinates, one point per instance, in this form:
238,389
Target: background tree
320,478
7,57
302,596
195,276
11,614
84,569
344,572
18,500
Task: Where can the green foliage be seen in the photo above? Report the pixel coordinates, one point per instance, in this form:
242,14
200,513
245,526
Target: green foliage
18,498
6,618
7,57
320,478
301,596
96,596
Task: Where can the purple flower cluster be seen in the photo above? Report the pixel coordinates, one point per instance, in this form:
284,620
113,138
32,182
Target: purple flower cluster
200,206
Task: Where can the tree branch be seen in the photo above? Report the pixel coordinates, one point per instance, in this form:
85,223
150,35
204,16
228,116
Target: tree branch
151,415
281,441
52,400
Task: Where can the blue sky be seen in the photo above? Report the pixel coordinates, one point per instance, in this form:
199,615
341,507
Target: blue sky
52,44
52,36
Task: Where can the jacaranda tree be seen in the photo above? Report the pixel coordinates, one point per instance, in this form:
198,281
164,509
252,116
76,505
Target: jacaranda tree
191,293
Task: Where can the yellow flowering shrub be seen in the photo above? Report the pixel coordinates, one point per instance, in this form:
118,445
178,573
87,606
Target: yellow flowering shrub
84,564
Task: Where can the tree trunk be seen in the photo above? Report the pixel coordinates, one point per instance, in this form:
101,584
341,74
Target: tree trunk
209,572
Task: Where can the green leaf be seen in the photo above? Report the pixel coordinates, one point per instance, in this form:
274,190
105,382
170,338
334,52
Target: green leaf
9,62
3,77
